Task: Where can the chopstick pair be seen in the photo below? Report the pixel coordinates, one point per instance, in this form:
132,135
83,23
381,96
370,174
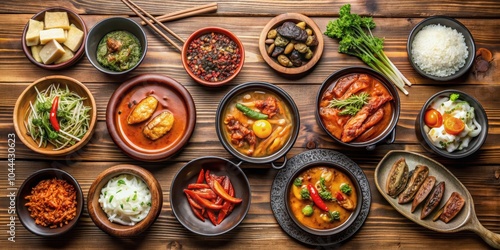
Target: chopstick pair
135,8
203,9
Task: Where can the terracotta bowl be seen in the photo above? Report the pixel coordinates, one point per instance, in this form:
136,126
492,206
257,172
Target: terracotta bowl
475,143
29,95
73,18
172,96
454,24
100,218
296,18
261,87
29,184
189,174
388,134
108,25
338,167
208,30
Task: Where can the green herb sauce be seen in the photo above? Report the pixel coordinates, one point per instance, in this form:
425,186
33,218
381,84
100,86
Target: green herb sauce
119,51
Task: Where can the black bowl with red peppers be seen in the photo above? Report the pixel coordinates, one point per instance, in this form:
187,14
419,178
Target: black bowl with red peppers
213,56
258,122
189,176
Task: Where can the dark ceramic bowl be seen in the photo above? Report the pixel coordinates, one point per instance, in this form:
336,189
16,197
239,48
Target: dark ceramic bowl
100,218
29,184
189,174
108,25
295,18
208,30
172,96
454,24
262,87
75,19
475,143
386,136
352,217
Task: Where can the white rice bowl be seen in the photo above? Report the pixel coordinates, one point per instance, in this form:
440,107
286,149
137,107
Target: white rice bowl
439,50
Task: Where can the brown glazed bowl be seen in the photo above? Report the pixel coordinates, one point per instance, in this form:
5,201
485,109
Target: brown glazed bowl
29,95
73,18
29,184
189,174
172,96
296,18
208,30
100,218
258,87
389,134
475,143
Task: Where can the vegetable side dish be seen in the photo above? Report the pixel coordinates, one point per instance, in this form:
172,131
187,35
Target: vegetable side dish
52,203
125,199
257,123
58,116
450,123
211,196
213,57
356,108
322,198
119,50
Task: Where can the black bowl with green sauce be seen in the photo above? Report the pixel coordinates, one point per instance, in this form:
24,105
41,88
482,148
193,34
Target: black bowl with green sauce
116,45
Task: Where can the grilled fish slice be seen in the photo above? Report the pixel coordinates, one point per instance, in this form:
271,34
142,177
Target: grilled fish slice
397,178
159,125
143,110
417,179
423,192
433,201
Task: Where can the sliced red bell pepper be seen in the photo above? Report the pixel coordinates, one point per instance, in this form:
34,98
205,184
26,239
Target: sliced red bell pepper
203,202
193,202
219,190
205,193
316,198
195,210
198,186
201,176
212,217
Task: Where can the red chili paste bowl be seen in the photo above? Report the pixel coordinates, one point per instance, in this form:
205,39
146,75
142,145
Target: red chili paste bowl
206,70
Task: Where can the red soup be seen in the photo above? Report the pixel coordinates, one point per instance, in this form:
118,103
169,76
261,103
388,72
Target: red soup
167,101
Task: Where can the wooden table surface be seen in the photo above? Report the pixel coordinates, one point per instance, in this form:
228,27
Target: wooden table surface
384,228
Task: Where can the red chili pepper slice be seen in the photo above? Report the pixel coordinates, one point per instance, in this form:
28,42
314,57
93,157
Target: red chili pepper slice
201,176
203,202
195,207
205,193
53,114
219,190
316,199
211,217
198,186
339,196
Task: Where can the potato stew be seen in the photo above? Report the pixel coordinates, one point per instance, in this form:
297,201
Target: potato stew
322,198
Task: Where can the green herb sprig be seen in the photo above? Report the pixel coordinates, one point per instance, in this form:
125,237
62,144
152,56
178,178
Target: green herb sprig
351,105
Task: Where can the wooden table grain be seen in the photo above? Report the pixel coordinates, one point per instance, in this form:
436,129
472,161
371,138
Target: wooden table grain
384,228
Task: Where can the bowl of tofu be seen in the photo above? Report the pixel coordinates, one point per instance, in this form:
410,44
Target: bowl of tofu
53,38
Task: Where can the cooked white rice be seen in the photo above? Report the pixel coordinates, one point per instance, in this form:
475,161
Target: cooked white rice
439,50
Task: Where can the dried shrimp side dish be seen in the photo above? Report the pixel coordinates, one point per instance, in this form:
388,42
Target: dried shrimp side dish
258,123
52,203
58,116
